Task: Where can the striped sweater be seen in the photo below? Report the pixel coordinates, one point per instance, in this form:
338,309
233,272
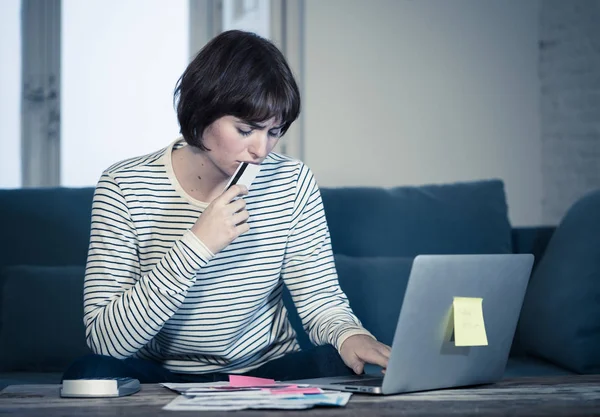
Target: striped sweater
154,291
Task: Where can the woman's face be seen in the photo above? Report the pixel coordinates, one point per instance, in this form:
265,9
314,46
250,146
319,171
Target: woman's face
232,141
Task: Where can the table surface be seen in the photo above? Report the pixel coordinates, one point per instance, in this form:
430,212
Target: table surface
543,396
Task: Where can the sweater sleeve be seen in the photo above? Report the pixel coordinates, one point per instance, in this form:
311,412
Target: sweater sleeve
309,270
123,309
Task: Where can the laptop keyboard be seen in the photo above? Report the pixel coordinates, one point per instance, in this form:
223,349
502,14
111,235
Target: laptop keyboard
372,382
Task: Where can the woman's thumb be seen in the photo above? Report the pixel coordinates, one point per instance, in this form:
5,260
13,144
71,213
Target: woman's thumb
358,367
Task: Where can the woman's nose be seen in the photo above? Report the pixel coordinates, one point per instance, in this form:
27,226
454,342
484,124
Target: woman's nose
259,146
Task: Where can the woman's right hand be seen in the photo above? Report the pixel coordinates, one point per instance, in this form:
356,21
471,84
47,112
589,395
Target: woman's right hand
223,220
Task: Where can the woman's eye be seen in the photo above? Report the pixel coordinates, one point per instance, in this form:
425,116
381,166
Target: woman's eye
244,132
275,133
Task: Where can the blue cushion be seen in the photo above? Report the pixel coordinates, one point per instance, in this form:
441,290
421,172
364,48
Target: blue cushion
521,366
45,226
560,319
375,288
461,218
41,313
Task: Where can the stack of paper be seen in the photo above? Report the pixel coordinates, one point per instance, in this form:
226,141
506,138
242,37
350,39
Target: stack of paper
246,392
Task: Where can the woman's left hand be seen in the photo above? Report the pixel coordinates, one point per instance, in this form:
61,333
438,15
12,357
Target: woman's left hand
360,349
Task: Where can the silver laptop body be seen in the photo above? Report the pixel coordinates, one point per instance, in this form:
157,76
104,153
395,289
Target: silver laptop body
424,355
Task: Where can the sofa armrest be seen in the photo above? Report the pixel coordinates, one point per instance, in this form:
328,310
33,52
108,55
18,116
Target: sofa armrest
532,240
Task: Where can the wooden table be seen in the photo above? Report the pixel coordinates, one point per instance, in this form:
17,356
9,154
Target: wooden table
548,396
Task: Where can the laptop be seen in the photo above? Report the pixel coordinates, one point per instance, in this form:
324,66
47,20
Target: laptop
425,354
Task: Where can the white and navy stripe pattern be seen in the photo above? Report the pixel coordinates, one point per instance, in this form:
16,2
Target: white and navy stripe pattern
154,291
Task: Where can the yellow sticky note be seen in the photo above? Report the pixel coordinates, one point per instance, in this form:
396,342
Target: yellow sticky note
469,326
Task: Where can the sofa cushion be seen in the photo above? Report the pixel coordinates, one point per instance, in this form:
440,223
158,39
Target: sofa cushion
46,226
375,288
527,366
460,218
41,318
560,319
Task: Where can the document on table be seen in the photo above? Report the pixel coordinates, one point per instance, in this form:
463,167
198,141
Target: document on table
244,394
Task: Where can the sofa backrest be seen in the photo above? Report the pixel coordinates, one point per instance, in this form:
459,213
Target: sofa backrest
459,218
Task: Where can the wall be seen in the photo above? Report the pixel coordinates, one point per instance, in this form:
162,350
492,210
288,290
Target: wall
413,92
570,85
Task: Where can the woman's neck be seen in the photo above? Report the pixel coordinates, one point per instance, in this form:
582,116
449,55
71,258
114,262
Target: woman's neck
197,174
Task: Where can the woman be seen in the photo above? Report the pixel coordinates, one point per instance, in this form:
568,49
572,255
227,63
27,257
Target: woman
183,280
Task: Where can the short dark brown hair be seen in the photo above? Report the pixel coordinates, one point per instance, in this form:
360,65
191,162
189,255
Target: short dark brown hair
239,74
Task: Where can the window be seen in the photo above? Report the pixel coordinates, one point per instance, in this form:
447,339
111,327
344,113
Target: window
250,15
120,63
10,98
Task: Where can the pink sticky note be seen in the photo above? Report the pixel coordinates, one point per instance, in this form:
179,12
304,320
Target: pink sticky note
297,391
248,381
